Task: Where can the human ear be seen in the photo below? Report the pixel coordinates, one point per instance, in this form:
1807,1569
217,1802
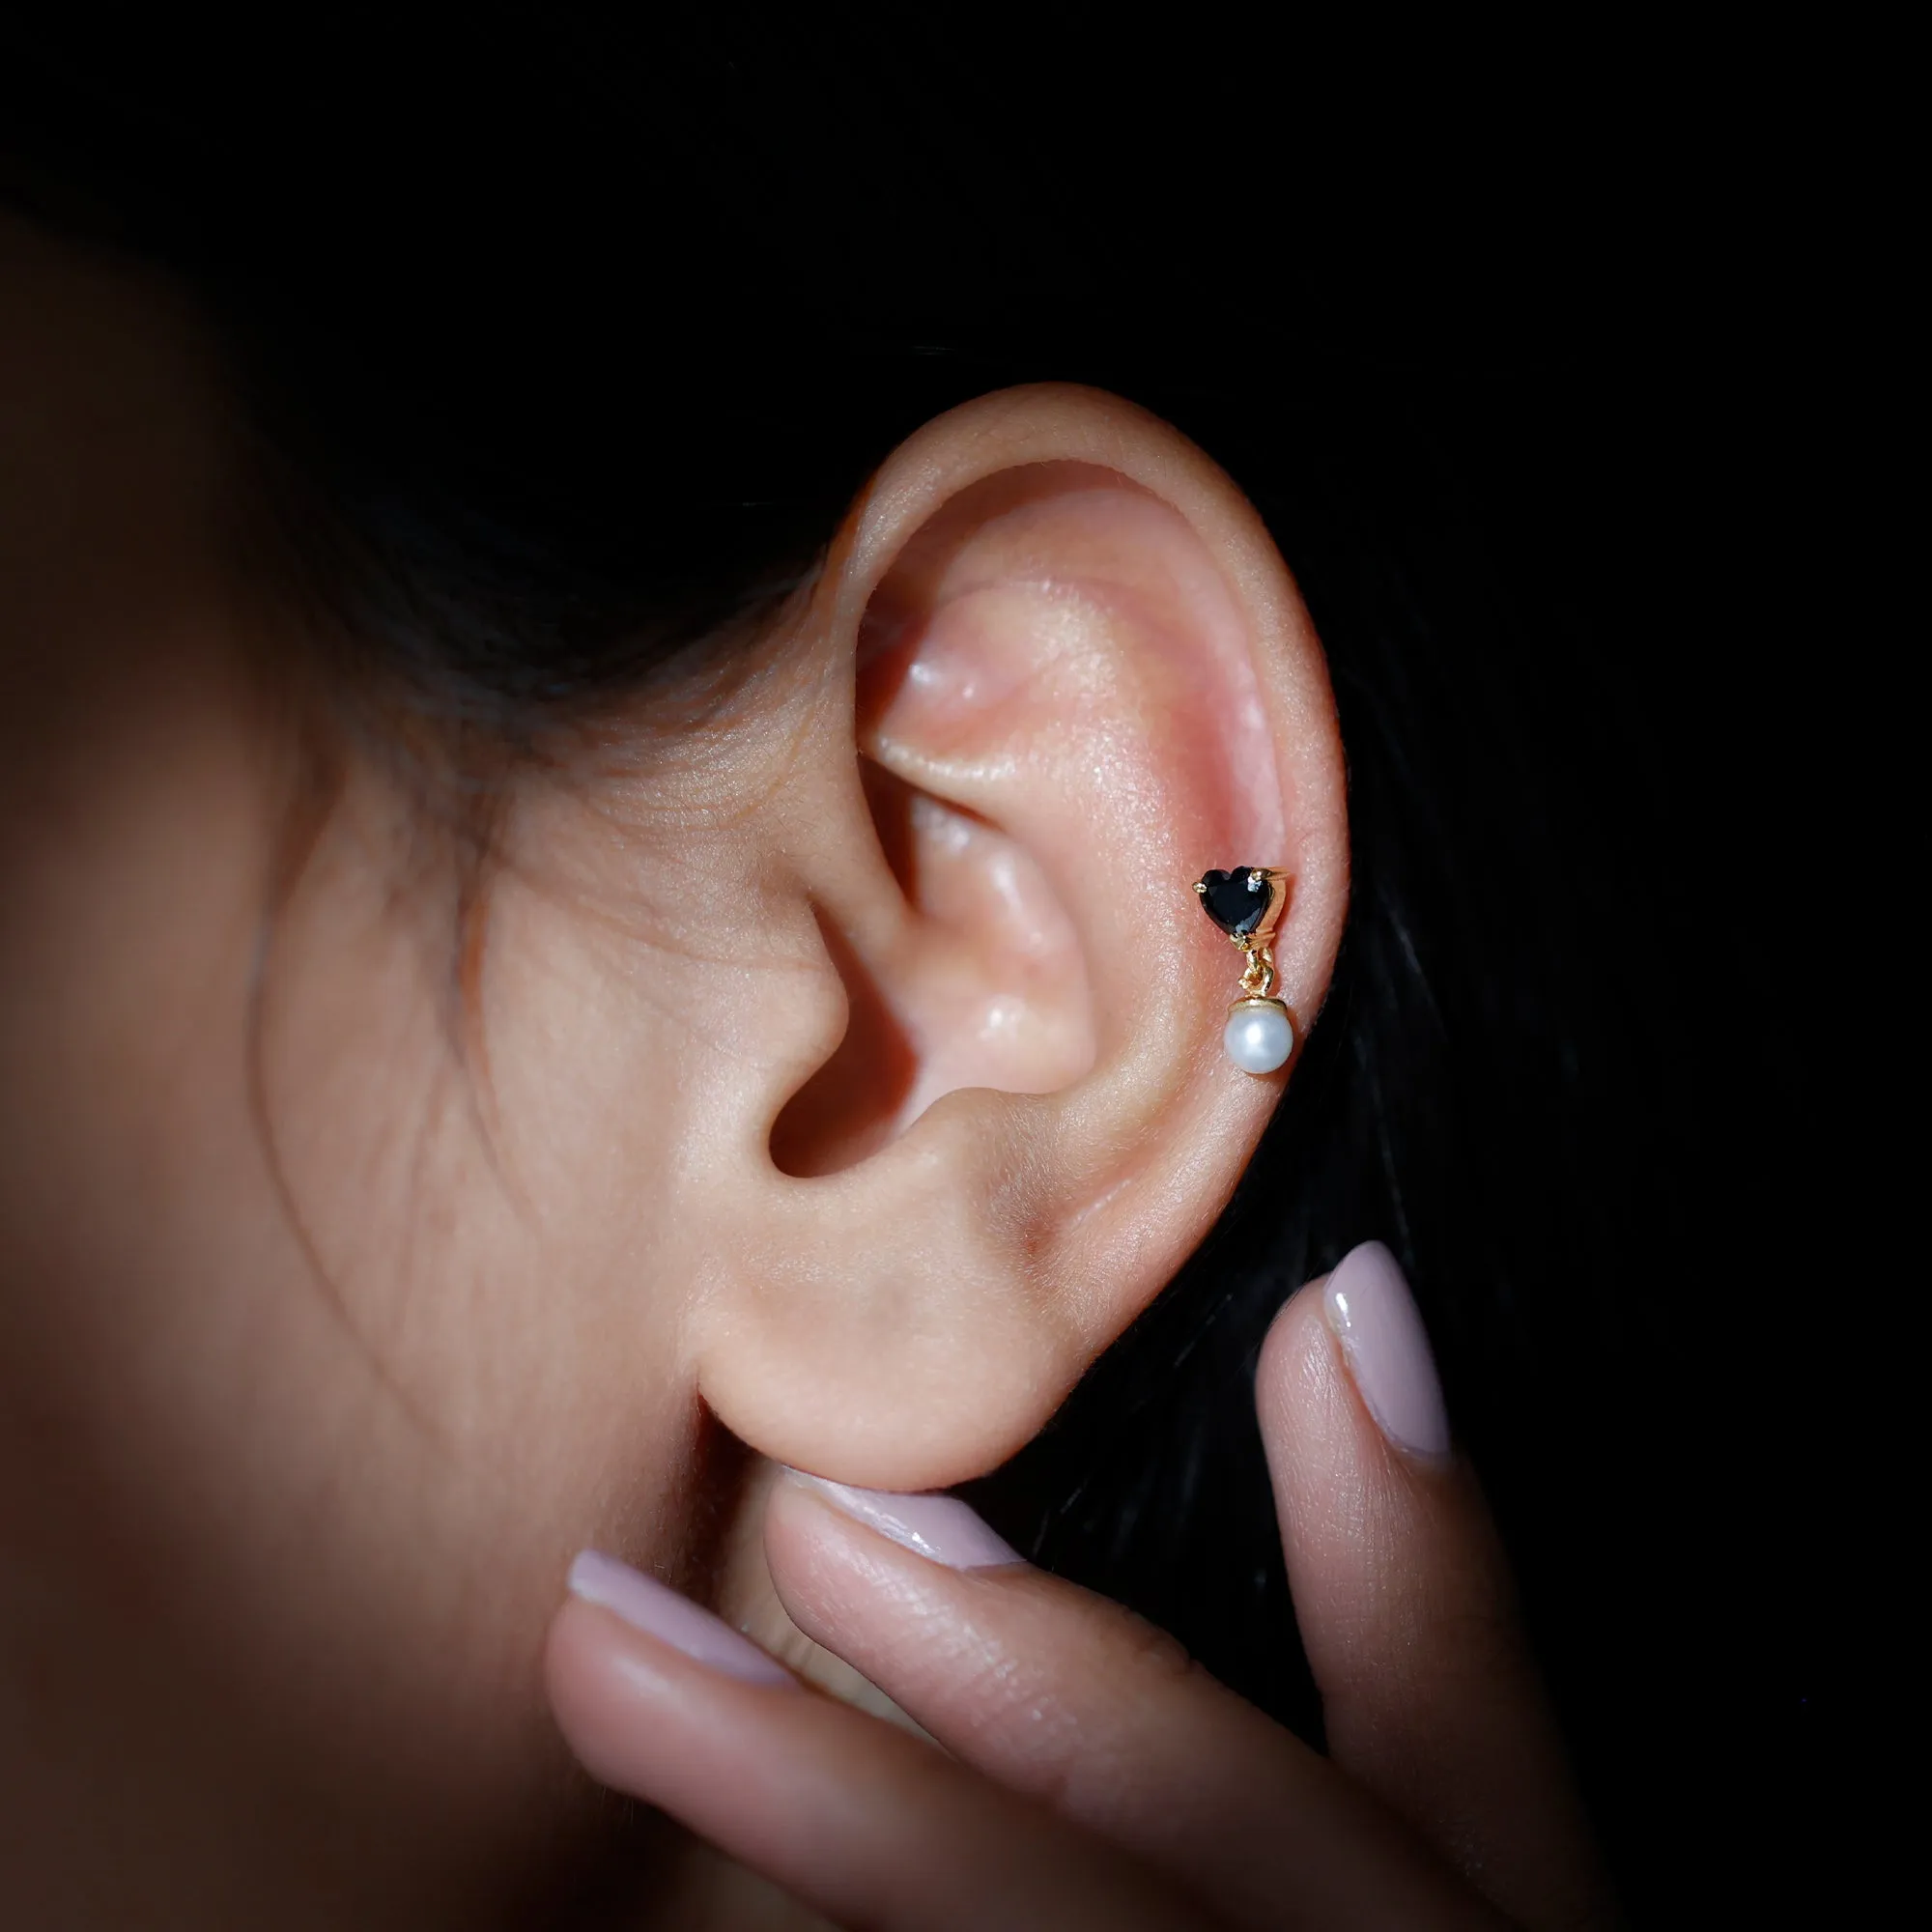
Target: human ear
1064,673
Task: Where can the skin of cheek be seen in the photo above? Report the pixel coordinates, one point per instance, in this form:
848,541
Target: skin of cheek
341,1505
287,1497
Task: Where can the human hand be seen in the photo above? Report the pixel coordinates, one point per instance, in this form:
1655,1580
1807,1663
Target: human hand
1089,1775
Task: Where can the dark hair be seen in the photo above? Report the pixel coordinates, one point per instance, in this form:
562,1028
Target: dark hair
571,340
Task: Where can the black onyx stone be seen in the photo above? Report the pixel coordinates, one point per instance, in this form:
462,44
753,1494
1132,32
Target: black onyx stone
1232,903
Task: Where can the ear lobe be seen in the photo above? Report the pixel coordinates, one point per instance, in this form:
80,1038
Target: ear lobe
1078,684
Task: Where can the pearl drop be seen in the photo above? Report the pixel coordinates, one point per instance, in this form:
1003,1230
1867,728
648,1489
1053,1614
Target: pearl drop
1258,1036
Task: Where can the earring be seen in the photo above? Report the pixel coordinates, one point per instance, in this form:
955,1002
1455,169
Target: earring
1246,905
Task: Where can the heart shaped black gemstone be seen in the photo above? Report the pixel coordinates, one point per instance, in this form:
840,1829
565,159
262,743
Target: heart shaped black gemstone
1232,903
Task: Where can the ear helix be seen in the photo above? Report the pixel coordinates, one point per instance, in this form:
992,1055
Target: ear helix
1246,905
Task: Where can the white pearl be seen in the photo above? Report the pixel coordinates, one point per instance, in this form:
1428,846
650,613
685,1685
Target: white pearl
1257,1036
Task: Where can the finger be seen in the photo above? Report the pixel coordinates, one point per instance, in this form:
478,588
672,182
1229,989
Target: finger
1403,1594
856,1818
1072,1700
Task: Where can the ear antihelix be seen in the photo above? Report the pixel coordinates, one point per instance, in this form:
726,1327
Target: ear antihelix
1246,902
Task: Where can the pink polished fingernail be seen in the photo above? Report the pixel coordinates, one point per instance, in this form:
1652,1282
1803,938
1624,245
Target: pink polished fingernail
1375,1317
937,1526
659,1611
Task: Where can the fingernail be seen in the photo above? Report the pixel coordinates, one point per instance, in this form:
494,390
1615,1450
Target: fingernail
659,1611
937,1526
1375,1317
